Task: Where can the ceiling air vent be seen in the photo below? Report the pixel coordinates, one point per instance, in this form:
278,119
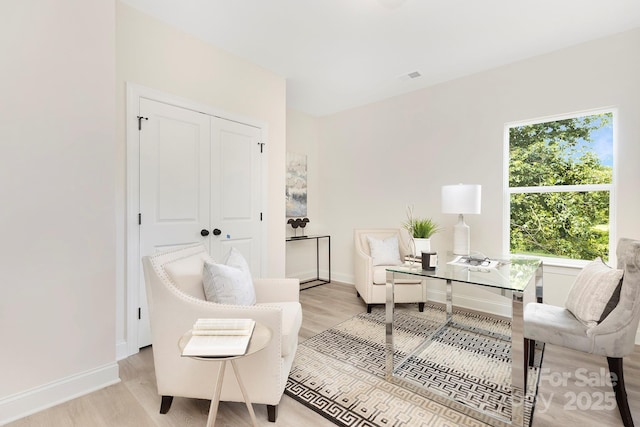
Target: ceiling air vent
410,76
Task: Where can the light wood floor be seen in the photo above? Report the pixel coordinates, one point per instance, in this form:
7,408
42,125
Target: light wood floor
134,401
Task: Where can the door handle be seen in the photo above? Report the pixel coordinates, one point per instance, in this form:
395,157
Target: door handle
216,232
204,233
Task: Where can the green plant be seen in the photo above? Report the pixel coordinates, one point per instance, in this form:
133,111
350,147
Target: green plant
420,228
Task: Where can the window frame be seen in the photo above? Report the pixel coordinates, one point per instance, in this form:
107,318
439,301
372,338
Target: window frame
611,188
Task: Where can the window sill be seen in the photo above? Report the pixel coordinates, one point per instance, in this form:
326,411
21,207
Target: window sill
560,262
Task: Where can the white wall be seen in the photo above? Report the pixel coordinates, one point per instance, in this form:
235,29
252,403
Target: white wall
302,138
377,159
57,222
160,57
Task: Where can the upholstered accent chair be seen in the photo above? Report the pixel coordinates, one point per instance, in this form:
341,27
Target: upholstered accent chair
612,337
371,277
176,300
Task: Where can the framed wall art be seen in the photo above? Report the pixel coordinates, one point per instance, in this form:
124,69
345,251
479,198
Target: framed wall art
296,187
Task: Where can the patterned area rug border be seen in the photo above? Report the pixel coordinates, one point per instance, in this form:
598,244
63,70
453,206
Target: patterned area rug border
340,373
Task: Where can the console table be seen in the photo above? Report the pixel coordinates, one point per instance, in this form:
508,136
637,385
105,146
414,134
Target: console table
321,281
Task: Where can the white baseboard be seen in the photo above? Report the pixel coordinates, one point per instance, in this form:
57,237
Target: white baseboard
28,402
308,274
343,278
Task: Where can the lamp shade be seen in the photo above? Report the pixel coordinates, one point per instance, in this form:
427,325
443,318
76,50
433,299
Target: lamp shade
461,199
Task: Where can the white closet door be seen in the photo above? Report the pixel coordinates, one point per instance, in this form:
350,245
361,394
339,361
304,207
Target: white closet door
175,188
236,183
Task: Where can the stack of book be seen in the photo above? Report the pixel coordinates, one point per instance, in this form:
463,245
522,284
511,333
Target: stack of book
413,259
219,337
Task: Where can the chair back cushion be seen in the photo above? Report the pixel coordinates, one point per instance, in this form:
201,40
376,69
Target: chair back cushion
362,239
229,282
592,291
384,251
186,273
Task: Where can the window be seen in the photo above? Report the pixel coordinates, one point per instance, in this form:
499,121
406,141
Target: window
560,186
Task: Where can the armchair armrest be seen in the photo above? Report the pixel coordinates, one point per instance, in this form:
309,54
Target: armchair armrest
616,333
276,290
363,269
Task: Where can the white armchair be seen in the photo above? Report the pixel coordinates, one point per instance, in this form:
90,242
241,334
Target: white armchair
176,299
371,280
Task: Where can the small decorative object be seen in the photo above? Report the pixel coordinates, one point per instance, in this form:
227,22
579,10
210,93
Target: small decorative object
429,260
461,199
296,223
420,230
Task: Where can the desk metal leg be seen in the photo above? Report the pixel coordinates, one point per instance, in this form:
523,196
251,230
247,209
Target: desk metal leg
244,394
519,369
449,300
389,309
213,408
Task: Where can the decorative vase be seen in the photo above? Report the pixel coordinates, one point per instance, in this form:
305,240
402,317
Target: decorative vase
421,245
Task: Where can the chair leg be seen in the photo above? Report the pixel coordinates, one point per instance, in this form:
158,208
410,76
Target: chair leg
615,367
272,413
165,405
369,307
420,307
530,347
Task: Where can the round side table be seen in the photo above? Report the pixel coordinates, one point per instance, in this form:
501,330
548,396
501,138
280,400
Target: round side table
259,340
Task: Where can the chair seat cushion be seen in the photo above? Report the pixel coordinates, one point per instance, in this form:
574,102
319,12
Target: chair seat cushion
380,276
291,323
592,292
555,325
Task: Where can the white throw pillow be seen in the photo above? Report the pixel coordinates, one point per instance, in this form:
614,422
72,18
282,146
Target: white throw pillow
230,282
592,290
384,252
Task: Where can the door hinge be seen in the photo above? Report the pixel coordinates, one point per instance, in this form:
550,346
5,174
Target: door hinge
139,219
139,313
261,144
140,119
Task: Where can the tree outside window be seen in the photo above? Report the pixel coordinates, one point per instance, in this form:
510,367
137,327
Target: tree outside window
560,176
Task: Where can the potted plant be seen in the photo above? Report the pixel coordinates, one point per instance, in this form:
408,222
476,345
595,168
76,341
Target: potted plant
420,230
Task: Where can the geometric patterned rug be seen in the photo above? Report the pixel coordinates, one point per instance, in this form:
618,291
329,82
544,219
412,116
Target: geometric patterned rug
340,373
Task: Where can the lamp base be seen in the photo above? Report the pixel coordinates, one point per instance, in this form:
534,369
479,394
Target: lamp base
461,237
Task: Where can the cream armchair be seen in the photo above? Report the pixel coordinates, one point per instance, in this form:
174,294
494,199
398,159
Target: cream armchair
176,299
371,280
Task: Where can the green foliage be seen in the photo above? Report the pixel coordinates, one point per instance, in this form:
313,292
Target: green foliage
560,224
420,228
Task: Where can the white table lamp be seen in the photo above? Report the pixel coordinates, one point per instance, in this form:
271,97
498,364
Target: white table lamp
461,199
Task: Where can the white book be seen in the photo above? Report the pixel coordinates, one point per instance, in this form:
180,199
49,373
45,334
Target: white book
219,342
236,326
474,263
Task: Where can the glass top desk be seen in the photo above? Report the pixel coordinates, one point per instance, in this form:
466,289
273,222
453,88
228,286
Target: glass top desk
519,278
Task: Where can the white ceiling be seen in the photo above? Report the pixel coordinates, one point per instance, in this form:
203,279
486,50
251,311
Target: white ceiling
339,54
